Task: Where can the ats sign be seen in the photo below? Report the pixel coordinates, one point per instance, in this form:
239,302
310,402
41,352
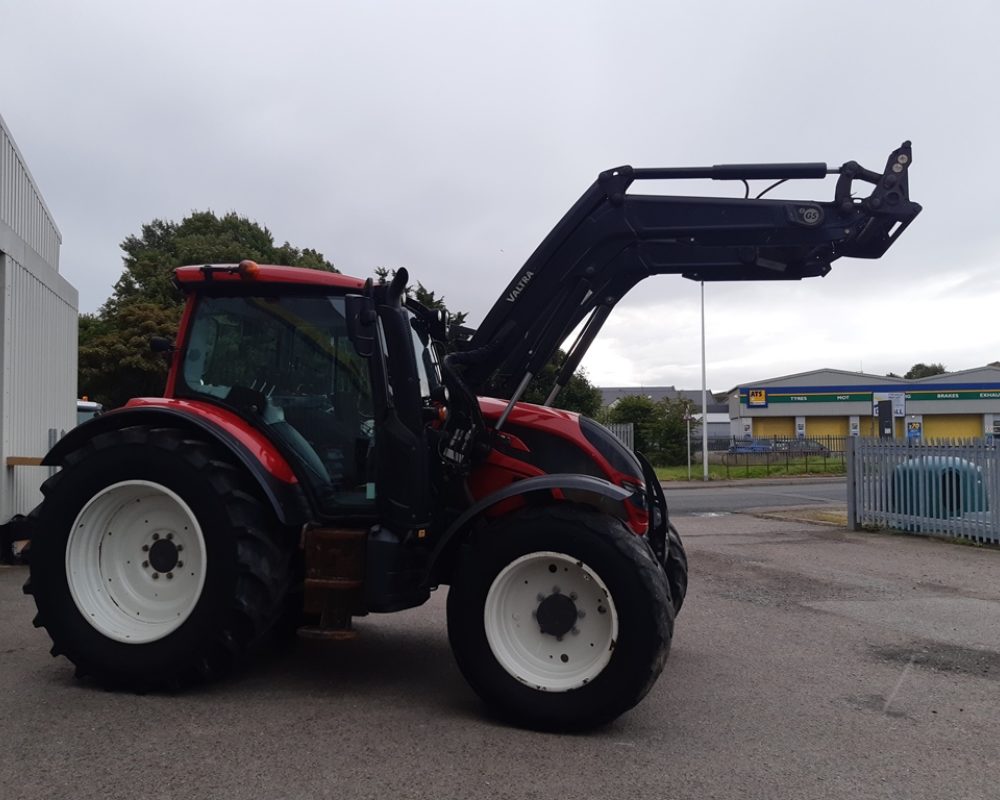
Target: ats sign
757,398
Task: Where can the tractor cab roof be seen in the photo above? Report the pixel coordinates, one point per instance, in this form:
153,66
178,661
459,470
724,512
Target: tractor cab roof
193,278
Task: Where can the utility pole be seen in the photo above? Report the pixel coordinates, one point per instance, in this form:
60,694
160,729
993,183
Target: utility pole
704,393
687,419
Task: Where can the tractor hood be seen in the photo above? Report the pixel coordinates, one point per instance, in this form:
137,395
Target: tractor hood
528,414
611,239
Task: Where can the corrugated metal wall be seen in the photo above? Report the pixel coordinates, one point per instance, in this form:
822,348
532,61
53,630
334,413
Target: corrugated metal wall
952,426
39,379
764,427
21,205
38,333
827,426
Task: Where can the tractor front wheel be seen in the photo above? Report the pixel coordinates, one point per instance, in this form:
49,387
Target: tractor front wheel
154,562
676,567
559,618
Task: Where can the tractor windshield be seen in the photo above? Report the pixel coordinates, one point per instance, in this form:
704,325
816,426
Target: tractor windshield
285,362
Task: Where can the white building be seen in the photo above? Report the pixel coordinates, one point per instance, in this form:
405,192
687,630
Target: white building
38,334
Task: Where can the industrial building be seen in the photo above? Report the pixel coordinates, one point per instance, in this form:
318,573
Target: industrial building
835,403
38,334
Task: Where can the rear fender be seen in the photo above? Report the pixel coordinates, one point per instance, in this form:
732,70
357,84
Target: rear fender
598,493
251,449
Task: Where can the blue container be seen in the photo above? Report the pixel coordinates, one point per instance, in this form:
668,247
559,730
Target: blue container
939,487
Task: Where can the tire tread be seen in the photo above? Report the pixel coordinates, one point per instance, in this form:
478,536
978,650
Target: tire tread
657,632
262,561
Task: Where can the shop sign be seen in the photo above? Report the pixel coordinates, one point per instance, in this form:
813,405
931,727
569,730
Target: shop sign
898,402
957,395
761,398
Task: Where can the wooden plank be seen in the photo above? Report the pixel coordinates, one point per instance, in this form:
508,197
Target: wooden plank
23,461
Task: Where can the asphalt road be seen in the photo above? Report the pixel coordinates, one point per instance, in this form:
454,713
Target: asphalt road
808,662
730,496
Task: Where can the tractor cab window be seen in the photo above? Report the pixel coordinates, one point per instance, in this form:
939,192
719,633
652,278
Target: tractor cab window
286,363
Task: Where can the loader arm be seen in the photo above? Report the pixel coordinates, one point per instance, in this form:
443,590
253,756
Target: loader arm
611,239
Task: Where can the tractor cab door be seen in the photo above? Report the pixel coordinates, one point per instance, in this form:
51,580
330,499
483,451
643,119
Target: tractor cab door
388,334
284,361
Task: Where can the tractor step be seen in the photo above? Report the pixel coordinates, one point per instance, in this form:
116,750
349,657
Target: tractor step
317,633
334,577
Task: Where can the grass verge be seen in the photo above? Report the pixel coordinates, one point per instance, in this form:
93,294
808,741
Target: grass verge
820,516
720,472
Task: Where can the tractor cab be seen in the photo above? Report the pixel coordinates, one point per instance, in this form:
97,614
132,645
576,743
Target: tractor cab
275,347
286,363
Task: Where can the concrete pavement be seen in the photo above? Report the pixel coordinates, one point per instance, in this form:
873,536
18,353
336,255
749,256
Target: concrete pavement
808,662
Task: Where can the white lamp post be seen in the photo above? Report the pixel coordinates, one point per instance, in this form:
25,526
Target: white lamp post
704,394
687,419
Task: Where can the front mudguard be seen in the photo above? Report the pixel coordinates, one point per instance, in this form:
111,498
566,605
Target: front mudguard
659,517
598,493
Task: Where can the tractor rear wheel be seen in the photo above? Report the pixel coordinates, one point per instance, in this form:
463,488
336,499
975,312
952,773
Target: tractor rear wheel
559,618
154,563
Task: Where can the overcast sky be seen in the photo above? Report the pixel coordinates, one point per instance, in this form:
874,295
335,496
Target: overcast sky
450,137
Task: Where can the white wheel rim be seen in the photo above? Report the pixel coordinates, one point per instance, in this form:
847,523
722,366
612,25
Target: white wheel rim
545,661
121,540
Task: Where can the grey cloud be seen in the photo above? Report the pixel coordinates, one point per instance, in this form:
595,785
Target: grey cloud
449,138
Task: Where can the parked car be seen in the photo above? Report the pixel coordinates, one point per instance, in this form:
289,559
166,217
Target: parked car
87,409
801,447
752,446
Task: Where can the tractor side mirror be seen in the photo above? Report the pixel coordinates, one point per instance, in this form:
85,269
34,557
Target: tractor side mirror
361,323
163,346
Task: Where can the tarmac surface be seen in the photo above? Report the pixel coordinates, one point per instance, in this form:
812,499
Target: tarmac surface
808,662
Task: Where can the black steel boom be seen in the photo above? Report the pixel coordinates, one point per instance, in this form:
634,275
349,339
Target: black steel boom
611,239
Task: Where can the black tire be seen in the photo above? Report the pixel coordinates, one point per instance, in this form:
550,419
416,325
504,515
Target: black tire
676,568
591,542
240,554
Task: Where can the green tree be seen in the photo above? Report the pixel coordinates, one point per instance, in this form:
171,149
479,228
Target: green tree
115,360
673,430
659,427
201,238
579,394
922,370
643,412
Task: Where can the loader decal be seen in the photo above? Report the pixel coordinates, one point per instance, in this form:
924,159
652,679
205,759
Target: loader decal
519,286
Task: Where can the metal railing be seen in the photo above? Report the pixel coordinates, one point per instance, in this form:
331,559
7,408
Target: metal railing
945,487
625,433
780,455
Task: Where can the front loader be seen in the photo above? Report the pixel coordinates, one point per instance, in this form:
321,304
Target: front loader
316,457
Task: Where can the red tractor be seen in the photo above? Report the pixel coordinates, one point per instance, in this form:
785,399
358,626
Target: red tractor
316,457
